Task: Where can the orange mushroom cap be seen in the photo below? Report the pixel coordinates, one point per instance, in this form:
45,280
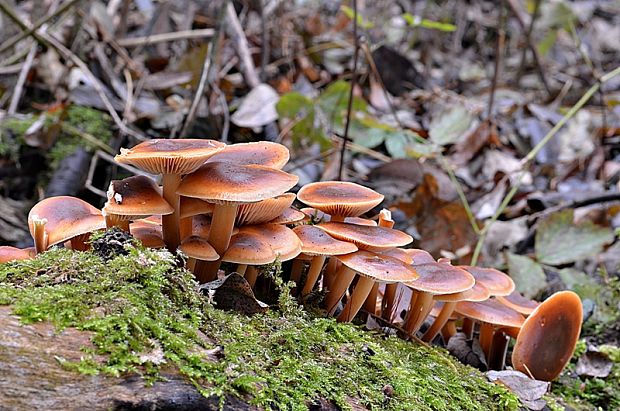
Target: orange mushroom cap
518,302
198,248
491,312
477,293
497,282
438,278
379,267
319,215
263,211
420,256
399,254
134,198
339,198
193,206
289,216
262,153
249,248
165,156
372,238
282,239
548,336
315,241
8,253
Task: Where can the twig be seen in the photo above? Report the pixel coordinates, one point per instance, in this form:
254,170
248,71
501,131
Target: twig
51,41
499,46
12,69
240,43
30,31
532,155
226,113
21,80
528,35
164,37
206,73
87,136
264,38
350,103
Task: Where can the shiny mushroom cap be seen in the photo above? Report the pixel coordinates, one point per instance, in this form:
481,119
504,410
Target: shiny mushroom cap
282,239
165,156
339,198
497,282
249,248
321,216
8,253
67,217
198,248
372,238
228,183
263,211
399,254
518,303
135,197
490,312
194,206
289,216
438,278
548,337
420,256
477,293
149,233
315,241
262,153
381,268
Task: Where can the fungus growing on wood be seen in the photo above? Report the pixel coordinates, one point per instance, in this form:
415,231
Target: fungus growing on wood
339,199
548,337
133,198
227,185
55,220
317,244
261,153
172,159
371,268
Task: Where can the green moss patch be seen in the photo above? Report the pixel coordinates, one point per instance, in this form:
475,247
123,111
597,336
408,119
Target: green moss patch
143,312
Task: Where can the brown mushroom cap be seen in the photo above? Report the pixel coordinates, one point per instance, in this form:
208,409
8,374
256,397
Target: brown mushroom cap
262,153
420,256
399,254
201,226
263,211
477,293
518,303
339,198
548,336
165,156
249,248
8,253
497,282
319,215
372,238
228,183
193,206
149,234
135,197
198,248
282,239
379,267
289,216
315,241
491,312
438,278
67,217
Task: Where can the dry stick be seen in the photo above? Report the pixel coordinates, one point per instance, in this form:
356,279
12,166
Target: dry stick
30,31
67,54
350,103
528,35
499,45
532,154
21,80
206,73
240,43
264,38
165,37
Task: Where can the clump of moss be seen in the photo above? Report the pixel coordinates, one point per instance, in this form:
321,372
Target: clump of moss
583,393
285,359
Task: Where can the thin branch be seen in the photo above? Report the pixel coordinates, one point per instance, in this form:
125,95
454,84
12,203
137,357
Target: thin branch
532,154
499,47
240,43
21,80
164,37
30,31
350,103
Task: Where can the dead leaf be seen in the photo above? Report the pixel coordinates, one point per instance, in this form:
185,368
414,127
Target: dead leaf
258,108
594,363
234,293
529,391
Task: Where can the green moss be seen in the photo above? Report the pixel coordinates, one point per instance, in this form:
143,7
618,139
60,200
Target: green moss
582,393
139,305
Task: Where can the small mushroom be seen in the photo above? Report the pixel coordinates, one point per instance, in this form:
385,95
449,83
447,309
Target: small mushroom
198,249
8,253
518,302
248,249
261,153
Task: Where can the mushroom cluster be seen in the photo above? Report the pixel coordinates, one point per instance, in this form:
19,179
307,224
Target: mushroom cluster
230,203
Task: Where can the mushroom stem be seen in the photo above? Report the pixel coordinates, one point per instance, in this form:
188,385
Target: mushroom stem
185,227
222,224
468,328
330,272
418,311
39,235
251,275
170,222
499,348
448,331
370,305
486,338
296,270
242,268
343,280
358,296
440,321
388,305
313,273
